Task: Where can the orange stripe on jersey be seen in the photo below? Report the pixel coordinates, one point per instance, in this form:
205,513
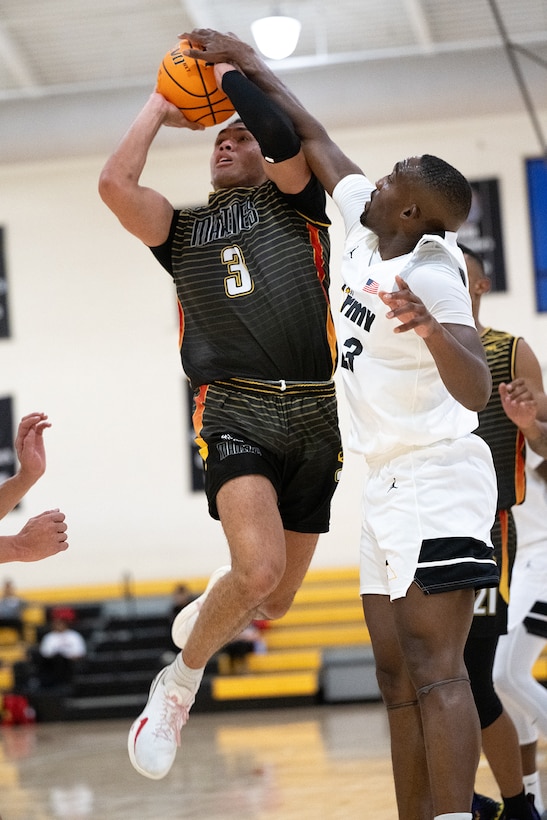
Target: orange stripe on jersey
181,322
318,257
197,420
320,267
504,569
520,476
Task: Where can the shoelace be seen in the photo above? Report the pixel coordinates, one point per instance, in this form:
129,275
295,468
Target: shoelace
173,718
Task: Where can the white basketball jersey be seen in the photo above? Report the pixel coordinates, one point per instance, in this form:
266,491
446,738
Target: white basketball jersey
396,396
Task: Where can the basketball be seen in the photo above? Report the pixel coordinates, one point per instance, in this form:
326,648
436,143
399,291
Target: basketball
191,86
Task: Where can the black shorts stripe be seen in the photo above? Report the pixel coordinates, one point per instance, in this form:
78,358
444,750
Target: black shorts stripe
536,622
447,564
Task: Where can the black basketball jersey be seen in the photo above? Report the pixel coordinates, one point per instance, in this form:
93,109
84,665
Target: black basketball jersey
500,433
252,277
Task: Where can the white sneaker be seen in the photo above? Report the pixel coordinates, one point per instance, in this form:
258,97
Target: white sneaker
185,620
155,734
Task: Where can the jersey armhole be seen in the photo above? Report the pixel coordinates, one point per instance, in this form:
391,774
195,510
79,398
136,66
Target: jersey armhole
310,202
163,252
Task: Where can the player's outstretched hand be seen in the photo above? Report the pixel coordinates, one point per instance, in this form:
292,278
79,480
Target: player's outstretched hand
409,309
29,445
216,47
518,402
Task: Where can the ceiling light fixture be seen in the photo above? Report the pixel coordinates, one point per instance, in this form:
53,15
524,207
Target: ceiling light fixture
276,36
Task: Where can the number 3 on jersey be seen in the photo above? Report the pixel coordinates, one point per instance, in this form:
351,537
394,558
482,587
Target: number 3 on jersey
238,282
352,348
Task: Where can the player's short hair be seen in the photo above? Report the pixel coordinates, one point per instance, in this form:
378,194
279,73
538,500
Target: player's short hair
449,182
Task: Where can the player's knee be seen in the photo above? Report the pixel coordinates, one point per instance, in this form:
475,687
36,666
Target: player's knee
256,583
277,604
394,684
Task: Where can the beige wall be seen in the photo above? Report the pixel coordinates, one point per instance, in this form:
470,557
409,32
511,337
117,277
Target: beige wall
94,344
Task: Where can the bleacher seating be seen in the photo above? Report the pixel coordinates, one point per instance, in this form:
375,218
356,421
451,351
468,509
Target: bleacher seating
326,614
318,652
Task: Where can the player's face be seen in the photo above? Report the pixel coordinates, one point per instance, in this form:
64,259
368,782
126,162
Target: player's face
236,159
392,195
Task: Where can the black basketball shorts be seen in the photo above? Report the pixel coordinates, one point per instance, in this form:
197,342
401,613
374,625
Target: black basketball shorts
285,431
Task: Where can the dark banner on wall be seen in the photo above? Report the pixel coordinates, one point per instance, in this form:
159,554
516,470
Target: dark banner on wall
7,451
4,316
197,473
482,231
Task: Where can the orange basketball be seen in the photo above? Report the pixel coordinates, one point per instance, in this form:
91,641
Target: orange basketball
191,86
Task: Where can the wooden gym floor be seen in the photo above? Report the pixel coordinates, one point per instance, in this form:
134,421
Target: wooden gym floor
302,763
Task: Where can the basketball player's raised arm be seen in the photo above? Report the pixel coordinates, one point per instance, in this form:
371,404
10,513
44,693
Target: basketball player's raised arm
326,160
142,211
284,160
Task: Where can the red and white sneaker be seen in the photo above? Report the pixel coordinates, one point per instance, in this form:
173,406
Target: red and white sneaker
155,735
185,620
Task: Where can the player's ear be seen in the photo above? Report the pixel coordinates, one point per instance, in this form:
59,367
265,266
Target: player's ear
411,212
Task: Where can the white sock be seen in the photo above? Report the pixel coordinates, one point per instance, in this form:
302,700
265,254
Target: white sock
184,675
454,815
532,785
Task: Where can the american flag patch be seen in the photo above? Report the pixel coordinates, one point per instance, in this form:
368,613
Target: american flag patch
371,286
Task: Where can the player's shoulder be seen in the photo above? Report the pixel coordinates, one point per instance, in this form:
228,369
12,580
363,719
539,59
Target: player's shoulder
441,246
442,251
496,333
352,185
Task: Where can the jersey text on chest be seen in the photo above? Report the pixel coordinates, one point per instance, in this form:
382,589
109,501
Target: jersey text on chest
357,313
227,221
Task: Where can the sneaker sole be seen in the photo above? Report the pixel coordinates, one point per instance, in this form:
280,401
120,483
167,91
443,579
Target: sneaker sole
178,631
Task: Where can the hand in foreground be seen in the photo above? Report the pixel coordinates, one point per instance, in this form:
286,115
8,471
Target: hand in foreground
173,116
42,536
409,309
518,402
29,445
215,47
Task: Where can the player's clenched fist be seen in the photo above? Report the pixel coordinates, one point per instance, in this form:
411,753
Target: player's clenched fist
42,536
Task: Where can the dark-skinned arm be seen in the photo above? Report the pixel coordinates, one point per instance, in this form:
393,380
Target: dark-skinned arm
326,160
457,349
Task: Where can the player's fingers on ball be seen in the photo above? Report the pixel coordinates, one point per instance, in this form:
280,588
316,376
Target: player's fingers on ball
192,87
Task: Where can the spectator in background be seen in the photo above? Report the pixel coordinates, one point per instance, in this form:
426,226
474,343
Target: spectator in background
59,651
11,608
182,595
249,641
